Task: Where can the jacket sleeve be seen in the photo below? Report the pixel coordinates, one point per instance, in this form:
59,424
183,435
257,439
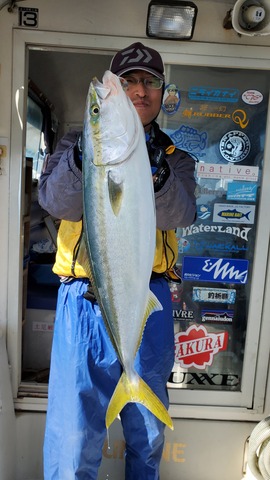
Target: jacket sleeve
176,202
60,186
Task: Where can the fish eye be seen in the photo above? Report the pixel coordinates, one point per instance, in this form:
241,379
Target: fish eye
95,110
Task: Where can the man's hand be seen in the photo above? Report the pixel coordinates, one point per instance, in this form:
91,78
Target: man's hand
159,166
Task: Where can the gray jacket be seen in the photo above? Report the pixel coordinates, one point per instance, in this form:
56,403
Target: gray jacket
60,188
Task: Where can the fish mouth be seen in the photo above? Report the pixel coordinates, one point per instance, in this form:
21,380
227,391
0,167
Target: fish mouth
110,85
107,132
101,90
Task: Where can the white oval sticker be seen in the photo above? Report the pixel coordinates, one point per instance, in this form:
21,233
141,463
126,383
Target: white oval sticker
252,97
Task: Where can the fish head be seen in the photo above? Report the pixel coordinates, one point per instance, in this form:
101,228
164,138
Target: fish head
112,126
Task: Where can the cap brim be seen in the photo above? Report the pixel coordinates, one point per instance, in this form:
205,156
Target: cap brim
150,70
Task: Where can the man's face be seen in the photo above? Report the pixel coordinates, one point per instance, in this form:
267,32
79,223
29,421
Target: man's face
147,101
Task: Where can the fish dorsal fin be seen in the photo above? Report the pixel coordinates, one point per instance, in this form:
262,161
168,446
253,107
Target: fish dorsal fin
115,186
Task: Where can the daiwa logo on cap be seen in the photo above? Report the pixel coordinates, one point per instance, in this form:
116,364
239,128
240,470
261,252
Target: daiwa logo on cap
142,56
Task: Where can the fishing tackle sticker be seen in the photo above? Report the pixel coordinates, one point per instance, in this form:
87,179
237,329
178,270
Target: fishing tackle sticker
230,213
240,118
252,97
196,347
203,212
234,146
242,191
217,246
208,269
240,232
217,316
171,99
231,172
189,139
214,295
183,245
211,94
183,314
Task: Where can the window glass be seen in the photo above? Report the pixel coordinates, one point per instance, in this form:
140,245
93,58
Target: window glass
218,116
35,146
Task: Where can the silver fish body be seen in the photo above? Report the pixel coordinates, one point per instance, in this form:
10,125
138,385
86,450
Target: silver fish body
119,231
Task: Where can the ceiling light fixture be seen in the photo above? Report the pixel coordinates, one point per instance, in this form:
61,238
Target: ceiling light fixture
173,20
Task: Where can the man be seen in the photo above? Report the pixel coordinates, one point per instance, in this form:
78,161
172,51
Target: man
84,366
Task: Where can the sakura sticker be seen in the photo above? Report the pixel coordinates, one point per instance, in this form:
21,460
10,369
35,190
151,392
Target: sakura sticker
196,347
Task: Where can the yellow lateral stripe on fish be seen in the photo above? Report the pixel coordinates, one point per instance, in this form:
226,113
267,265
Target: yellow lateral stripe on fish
138,392
119,225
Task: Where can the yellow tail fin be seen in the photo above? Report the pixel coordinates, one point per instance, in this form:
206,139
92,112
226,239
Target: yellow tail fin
139,392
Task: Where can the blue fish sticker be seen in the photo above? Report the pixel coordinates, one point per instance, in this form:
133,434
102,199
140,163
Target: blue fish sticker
231,213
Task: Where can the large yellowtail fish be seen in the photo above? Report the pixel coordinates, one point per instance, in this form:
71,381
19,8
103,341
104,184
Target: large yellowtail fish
120,231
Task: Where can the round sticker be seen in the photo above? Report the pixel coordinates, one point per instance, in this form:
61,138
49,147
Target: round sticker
252,97
234,146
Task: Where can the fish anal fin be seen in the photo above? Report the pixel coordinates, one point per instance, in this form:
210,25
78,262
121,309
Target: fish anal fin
115,186
136,391
153,305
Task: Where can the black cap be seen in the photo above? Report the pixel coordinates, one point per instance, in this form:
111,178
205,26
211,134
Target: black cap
138,57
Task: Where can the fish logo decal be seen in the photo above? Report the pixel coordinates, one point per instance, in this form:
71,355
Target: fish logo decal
232,214
229,213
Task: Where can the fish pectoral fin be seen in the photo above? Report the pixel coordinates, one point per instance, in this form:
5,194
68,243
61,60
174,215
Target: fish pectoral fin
136,392
115,186
82,258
